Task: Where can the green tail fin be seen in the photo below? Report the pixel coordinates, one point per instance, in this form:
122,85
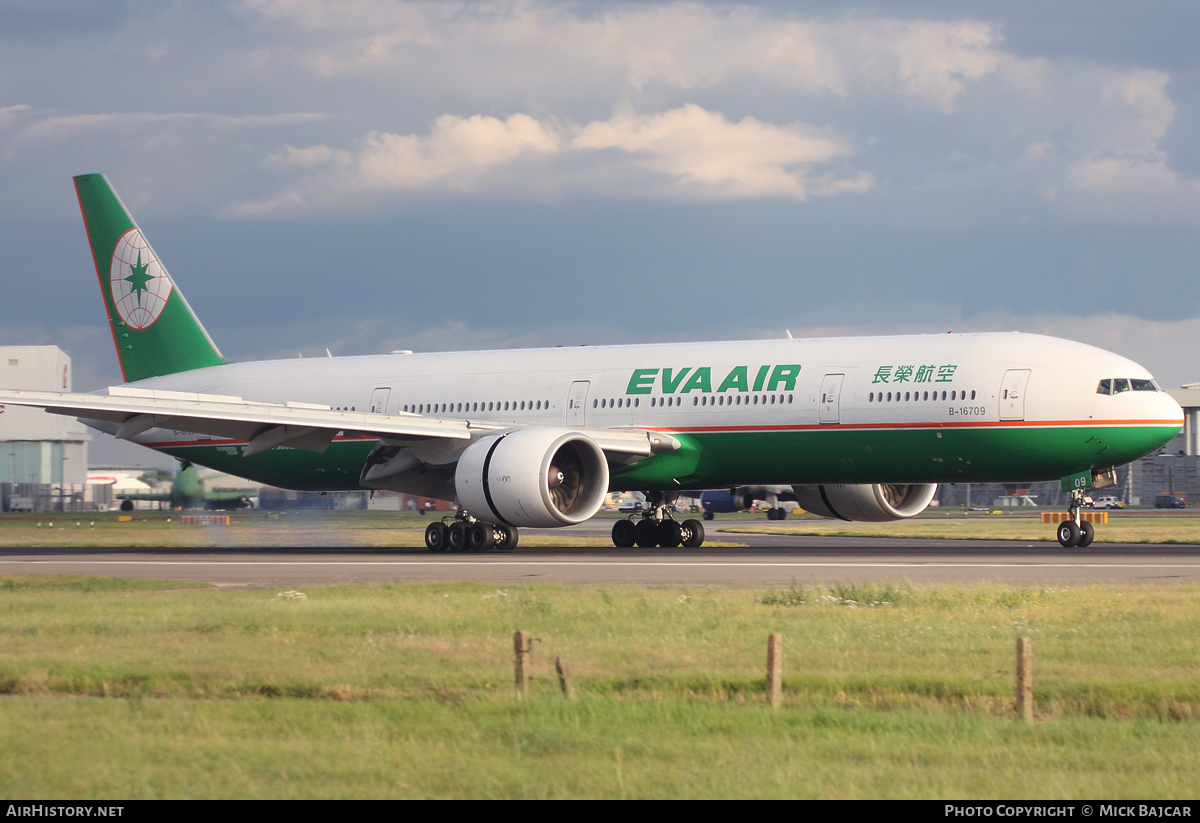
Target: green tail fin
154,328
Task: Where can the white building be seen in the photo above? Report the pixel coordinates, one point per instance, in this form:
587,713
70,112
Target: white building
36,447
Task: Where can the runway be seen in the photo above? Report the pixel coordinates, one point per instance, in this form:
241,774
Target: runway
771,560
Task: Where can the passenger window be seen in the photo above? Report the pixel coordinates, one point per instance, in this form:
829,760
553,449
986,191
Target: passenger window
1120,384
972,394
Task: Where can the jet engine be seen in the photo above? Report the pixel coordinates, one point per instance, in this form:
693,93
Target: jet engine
866,503
538,477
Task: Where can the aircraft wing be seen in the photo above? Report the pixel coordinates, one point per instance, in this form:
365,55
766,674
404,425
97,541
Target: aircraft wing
267,425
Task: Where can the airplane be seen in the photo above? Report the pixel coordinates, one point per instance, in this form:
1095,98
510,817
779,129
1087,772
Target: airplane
861,429
188,492
742,498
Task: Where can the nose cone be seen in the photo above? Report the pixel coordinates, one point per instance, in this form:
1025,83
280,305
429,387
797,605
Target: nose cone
1164,417
1162,410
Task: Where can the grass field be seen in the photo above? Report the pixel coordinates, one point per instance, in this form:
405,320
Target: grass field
391,530
1121,528
128,689
246,530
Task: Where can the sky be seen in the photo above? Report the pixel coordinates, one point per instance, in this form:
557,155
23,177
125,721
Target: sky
368,175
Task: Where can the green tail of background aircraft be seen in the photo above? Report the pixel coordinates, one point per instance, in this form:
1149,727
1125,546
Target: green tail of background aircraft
188,491
858,428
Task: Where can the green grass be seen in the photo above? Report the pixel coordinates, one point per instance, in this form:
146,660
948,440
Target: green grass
594,748
247,529
890,690
1121,528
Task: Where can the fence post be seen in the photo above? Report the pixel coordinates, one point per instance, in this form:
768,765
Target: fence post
774,670
1025,679
523,646
564,678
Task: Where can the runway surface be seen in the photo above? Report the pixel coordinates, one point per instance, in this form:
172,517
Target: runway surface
770,560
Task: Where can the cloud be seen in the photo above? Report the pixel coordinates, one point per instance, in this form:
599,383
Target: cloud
688,152
707,154
454,149
686,45
55,128
1126,175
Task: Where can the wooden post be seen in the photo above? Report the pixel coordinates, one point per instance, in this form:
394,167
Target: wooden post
1025,679
774,670
564,678
523,646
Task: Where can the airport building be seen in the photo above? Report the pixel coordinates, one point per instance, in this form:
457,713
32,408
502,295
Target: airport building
36,447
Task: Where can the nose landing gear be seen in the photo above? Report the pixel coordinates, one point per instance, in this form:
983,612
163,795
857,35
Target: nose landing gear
658,527
1075,532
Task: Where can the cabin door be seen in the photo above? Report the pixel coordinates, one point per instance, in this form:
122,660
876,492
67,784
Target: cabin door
831,393
1012,394
577,403
379,399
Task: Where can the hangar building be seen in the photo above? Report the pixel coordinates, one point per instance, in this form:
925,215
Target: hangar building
36,447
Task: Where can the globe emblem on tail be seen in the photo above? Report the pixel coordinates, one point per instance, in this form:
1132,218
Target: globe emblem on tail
139,283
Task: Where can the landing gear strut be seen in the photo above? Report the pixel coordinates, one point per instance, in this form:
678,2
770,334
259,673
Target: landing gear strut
464,533
1075,532
658,526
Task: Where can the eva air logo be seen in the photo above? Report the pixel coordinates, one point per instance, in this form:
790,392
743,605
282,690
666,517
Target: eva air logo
140,286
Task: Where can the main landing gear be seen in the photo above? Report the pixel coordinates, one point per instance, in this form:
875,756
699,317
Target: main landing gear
658,527
466,534
1075,532
777,513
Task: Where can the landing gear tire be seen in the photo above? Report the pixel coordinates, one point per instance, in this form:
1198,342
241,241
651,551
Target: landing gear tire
624,534
1087,533
481,537
693,534
510,538
1069,534
670,535
782,514
435,537
456,536
645,534
708,515
772,514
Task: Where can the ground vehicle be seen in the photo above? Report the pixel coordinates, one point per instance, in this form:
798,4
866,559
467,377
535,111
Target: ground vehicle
1108,502
1169,501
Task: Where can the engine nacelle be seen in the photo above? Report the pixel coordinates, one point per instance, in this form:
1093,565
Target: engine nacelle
866,503
537,477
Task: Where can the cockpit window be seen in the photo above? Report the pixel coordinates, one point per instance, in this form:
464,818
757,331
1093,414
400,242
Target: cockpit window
1116,385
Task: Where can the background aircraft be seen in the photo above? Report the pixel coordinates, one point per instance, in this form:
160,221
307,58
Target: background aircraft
188,491
742,498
